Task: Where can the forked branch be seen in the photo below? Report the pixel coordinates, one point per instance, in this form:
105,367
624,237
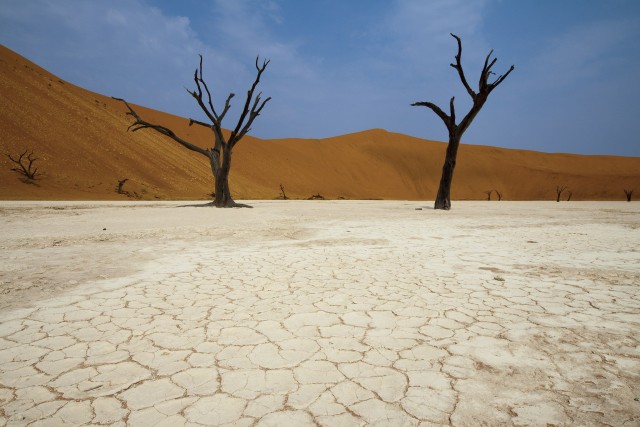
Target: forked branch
25,165
140,123
250,111
479,98
559,190
458,67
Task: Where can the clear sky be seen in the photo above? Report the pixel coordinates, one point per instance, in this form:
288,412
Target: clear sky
342,66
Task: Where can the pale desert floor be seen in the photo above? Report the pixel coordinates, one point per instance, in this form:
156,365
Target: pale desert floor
320,313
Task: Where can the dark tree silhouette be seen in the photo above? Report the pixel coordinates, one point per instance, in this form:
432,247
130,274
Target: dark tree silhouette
121,183
559,190
26,166
569,194
628,193
221,153
488,193
499,193
443,199
283,195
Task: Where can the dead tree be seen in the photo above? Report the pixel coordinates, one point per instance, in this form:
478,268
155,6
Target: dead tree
488,193
628,193
120,185
316,197
26,166
569,194
443,199
559,190
283,195
221,153
499,193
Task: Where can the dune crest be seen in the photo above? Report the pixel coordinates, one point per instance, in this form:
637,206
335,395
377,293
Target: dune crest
84,149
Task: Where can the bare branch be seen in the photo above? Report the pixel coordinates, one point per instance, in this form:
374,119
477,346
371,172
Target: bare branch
242,128
201,80
458,67
501,78
139,124
227,105
446,119
197,122
452,111
25,170
559,190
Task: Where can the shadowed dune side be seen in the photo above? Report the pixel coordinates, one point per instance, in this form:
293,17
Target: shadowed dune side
84,149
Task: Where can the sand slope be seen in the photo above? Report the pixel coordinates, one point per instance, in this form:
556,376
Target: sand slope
84,148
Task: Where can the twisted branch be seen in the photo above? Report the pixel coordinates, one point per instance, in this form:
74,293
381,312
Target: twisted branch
140,123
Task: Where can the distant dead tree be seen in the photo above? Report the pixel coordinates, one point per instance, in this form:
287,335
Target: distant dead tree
283,195
316,197
559,190
221,153
569,194
488,193
628,193
120,185
499,193
25,166
443,199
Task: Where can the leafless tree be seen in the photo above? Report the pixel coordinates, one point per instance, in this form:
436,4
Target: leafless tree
569,194
120,185
283,195
221,153
443,198
488,193
628,193
559,190
499,193
25,166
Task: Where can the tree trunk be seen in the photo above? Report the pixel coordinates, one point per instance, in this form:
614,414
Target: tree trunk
223,194
443,199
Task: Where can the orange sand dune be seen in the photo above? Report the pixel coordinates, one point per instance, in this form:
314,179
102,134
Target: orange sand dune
84,149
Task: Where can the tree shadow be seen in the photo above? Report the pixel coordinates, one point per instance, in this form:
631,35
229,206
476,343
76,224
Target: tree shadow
212,205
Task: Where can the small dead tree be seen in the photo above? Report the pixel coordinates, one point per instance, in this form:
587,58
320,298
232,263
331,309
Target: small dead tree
120,185
559,190
25,166
316,197
499,193
628,193
569,194
488,193
443,198
221,153
283,195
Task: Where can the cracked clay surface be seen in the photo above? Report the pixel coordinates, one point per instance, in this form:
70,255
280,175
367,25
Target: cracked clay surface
320,313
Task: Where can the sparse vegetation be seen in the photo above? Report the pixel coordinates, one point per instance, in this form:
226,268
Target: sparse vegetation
569,194
25,166
283,195
120,185
559,190
443,198
316,197
628,194
499,193
121,190
488,193
220,154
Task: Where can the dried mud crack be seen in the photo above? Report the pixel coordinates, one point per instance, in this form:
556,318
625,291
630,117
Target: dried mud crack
389,320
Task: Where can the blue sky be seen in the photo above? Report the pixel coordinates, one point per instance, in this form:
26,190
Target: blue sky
342,66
